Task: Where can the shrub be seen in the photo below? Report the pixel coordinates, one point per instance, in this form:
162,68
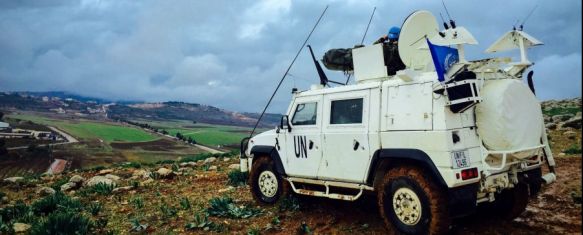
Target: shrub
63,223
201,222
52,203
57,184
165,162
94,208
573,149
289,203
131,165
225,207
100,188
97,168
138,202
19,211
185,203
168,211
237,178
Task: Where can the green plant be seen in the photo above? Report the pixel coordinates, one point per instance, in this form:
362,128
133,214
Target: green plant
62,223
102,188
168,161
253,231
57,184
154,175
131,165
135,184
17,212
573,149
168,211
138,202
52,203
97,168
237,178
206,167
289,203
200,221
5,227
94,208
175,167
225,207
185,203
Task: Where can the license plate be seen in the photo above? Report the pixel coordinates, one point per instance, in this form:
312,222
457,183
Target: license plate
460,159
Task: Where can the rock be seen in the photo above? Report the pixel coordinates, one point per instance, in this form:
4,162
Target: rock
4,199
14,179
44,191
99,180
20,227
143,174
562,154
570,134
113,177
547,119
230,188
147,182
105,172
551,126
226,159
188,164
235,166
210,159
122,189
76,179
213,168
578,114
165,173
68,186
573,123
184,169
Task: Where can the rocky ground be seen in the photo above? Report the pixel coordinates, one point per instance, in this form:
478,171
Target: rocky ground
203,195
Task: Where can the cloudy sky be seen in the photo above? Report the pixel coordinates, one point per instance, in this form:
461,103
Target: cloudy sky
231,54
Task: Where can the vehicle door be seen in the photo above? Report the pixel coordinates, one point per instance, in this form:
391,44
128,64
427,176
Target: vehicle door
345,140
303,142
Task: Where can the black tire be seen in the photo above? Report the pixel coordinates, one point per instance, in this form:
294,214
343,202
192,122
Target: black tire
399,194
263,167
535,181
510,203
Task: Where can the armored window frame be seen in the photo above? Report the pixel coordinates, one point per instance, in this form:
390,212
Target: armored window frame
305,122
346,111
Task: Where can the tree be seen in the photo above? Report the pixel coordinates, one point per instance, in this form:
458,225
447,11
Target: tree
1,115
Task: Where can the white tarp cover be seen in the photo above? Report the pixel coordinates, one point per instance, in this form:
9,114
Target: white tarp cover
509,117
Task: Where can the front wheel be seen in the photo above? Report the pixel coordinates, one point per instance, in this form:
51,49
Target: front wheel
411,203
267,186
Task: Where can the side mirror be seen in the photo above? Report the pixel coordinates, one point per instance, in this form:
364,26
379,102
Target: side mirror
284,122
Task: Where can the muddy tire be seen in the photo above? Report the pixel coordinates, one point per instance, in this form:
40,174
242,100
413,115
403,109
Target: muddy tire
410,202
511,202
267,186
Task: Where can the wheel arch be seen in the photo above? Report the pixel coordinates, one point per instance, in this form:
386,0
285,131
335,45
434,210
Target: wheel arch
385,159
271,152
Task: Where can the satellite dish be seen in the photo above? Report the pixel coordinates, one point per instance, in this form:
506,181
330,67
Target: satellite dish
417,26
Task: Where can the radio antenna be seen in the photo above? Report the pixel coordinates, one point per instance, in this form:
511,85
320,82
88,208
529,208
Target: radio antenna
527,16
443,20
370,20
451,22
287,71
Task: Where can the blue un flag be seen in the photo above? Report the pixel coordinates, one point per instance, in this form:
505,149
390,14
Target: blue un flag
443,58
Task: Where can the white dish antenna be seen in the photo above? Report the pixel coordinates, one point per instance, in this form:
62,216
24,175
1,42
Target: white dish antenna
415,29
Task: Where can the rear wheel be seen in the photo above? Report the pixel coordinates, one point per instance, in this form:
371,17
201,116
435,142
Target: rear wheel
267,186
511,202
411,203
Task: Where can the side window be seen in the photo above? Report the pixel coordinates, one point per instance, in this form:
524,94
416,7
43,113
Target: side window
305,114
346,111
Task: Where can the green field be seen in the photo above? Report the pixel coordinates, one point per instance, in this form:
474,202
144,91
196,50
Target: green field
211,135
92,130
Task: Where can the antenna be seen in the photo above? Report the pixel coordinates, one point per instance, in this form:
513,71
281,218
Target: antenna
443,20
365,31
451,22
514,25
287,71
527,16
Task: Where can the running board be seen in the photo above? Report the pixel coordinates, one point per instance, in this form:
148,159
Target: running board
327,184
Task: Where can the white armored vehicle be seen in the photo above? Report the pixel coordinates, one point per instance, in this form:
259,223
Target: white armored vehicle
432,140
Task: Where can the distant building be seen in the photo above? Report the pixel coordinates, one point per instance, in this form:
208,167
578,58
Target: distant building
45,99
4,126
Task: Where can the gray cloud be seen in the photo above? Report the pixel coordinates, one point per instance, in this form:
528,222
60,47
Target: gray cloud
231,54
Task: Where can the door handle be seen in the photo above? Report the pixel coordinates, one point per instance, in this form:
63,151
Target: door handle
311,145
355,145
